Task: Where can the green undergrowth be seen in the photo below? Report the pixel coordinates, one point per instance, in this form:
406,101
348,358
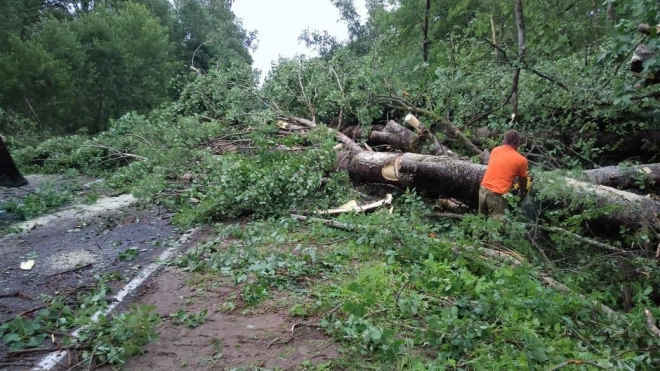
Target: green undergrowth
46,197
176,162
404,291
101,339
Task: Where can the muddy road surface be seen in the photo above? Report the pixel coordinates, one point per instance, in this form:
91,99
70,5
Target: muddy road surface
69,248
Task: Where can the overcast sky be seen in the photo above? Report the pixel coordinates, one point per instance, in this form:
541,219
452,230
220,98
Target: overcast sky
280,22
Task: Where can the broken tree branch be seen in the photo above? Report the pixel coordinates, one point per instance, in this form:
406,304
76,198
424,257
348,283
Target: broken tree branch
330,223
438,149
451,129
650,322
352,206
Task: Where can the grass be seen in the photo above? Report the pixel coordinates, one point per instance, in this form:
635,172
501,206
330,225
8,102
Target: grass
398,295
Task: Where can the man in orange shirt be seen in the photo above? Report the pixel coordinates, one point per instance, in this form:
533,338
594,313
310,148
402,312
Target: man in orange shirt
504,166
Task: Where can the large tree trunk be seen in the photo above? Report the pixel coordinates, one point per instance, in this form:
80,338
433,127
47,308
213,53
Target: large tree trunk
9,174
625,177
449,177
425,31
398,137
522,50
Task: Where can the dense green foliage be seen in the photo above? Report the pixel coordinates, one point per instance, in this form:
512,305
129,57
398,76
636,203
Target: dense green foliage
72,67
402,289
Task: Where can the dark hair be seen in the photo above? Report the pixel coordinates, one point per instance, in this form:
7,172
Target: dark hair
511,138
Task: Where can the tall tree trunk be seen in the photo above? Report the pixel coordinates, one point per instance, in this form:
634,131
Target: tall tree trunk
425,31
611,13
494,35
522,50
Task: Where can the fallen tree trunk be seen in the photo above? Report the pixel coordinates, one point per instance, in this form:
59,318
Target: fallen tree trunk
448,177
451,129
453,178
624,177
398,137
437,148
403,139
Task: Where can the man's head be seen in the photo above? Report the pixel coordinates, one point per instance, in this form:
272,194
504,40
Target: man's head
512,138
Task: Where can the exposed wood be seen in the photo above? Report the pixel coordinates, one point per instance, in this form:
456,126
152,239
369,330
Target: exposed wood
451,129
398,137
422,130
650,323
352,206
492,30
347,142
297,120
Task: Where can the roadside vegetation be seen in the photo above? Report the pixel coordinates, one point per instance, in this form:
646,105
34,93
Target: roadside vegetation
400,288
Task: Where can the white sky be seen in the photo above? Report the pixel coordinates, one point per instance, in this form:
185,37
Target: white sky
279,23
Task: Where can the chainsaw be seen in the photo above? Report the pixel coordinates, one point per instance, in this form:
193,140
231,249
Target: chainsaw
527,203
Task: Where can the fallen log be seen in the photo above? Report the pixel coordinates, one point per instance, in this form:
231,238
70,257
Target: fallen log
451,129
424,132
352,206
449,177
398,137
624,177
453,178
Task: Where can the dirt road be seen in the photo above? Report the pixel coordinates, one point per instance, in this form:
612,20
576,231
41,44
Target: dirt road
118,236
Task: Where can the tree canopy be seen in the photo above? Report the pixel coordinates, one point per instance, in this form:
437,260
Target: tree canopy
70,66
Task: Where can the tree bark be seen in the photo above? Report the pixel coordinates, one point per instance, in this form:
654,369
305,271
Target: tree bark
398,137
426,134
624,177
425,31
522,50
452,178
611,13
450,128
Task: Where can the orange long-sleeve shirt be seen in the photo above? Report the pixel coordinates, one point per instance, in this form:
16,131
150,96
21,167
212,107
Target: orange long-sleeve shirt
504,165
